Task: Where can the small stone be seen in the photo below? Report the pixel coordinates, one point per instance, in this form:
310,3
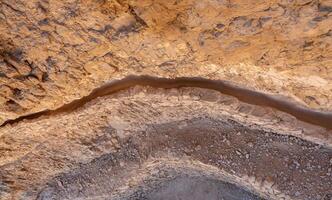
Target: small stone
60,184
297,164
115,143
198,148
238,152
132,183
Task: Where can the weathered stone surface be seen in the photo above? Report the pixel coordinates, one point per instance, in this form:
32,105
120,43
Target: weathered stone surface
137,142
55,51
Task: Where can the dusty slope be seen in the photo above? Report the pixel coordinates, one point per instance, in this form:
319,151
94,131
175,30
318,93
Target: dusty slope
249,145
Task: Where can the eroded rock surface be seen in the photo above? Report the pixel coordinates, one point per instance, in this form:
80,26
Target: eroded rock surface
55,51
142,142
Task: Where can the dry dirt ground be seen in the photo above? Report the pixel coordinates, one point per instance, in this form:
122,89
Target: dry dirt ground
133,143
148,143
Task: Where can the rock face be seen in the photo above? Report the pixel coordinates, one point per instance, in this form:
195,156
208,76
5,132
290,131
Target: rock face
140,142
55,51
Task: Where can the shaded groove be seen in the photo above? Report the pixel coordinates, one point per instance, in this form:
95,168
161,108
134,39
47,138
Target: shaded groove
320,118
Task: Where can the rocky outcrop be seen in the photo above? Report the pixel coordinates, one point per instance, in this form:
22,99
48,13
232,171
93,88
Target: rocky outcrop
53,52
142,142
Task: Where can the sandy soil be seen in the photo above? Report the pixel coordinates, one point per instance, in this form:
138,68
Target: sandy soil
124,144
